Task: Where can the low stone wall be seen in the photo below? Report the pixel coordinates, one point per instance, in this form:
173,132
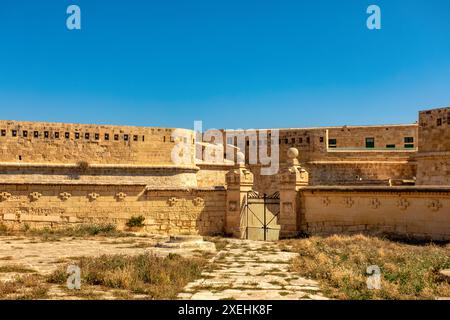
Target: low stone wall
417,212
168,211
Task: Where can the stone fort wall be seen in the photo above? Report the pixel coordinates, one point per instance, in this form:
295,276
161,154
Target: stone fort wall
128,172
340,156
433,158
166,210
60,143
416,212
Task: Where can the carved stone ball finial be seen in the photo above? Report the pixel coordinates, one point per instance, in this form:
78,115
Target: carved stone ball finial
292,155
240,157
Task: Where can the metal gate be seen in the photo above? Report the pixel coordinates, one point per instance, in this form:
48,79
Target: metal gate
260,216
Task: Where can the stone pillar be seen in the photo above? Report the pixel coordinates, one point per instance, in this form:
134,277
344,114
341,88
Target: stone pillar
239,182
292,178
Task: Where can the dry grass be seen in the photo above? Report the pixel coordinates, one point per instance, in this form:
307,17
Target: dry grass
339,263
27,287
14,268
156,277
55,234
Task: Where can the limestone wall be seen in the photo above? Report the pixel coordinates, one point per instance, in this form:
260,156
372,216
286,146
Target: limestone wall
212,175
407,211
348,161
168,211
433,158
60,143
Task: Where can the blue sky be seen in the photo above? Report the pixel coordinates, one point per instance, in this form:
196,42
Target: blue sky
231,63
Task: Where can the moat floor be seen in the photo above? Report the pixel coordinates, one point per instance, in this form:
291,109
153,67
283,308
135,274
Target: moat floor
251,270
241,270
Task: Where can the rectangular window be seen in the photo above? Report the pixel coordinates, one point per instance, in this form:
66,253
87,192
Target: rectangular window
332,143
439,122
293,140
370,142
56,135
36,134
46,134
3,133
300,140
390,146
97,136
448,118
321,139
14,133
143,138
116,137
125,137
307,140
409,139
135,138
77,135
25,133
67,135
409,146
107,136
286,141
86,136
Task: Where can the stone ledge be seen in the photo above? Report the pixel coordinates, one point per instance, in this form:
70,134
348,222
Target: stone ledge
217,188
97,166
445,189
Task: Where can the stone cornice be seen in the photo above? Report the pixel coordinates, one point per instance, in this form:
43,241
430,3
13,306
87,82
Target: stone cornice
96,166
381,189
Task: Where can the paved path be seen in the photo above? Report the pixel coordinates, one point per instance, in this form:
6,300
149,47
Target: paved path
253,270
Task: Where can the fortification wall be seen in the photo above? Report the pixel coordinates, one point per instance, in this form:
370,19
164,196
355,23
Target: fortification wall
339,155
60,143
433,158
167,211
405,211
212,175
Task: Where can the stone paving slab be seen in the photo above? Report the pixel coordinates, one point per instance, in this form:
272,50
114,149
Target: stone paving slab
251,270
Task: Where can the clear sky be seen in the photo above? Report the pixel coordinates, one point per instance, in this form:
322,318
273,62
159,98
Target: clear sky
231,63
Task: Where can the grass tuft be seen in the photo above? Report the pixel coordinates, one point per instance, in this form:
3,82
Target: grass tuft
339,263
156,277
